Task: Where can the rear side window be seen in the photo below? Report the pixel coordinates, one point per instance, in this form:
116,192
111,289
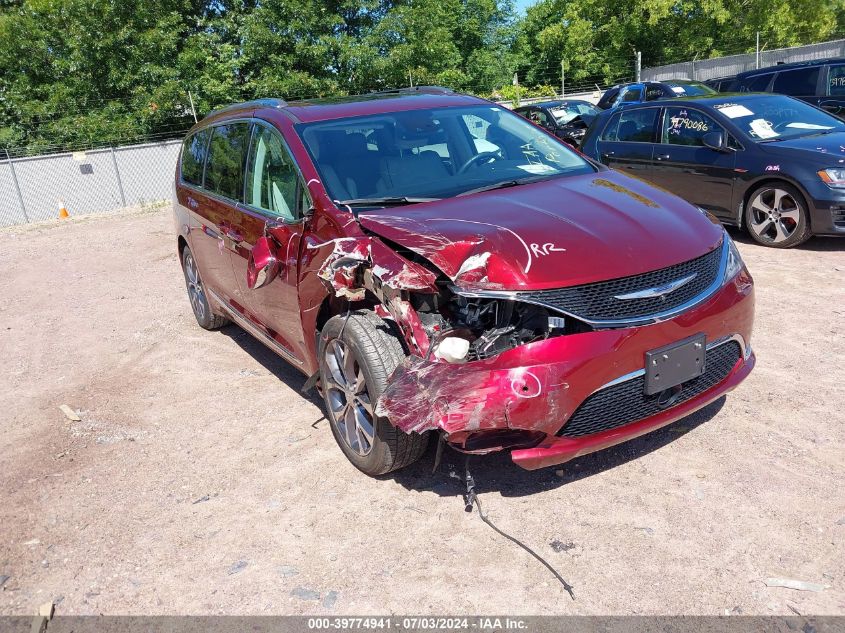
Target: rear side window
271,178
683,126
193,157
633,94
608,98
637,126
756,84
801,82
226,154
836,81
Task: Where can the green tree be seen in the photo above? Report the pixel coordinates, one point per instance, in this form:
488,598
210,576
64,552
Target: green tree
598,38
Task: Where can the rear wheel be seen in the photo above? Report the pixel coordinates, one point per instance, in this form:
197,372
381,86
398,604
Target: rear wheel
357,355
196,293
777,216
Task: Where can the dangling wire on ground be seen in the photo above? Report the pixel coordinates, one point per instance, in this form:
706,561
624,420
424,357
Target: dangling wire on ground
471,498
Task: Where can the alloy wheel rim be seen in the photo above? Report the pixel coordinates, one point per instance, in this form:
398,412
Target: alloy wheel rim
350,408
195,291
774,215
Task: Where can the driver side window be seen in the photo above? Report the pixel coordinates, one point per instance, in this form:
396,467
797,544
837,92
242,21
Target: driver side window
272,180
684,126
540,118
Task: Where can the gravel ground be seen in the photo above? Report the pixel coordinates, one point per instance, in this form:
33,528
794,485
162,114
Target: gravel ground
199,480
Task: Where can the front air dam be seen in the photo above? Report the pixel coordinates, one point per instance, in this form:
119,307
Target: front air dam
557,450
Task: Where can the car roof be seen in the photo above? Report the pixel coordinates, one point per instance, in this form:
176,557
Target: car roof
554,103
779,67
327,108
716,99
681,82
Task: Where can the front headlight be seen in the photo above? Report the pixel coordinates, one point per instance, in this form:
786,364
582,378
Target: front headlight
833,177
735,263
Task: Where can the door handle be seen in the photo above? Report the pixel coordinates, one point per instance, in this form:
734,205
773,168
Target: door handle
232,234
663,157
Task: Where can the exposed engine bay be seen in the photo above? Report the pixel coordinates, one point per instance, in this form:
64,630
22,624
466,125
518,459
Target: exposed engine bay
491,326
431,310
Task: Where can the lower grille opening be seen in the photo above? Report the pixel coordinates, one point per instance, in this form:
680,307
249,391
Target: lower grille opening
625,402
838,216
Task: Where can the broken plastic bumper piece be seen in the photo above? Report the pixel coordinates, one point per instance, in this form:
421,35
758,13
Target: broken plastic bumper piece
556,399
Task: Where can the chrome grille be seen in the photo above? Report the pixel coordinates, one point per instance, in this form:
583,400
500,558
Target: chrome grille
597,302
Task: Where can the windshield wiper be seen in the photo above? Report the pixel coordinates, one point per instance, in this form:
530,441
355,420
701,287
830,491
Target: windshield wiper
504,184
820,133
390,201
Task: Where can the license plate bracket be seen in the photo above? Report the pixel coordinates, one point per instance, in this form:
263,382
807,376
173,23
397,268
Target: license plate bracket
674,364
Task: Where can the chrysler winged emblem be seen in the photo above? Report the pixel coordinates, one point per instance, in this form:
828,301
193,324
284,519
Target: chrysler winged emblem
658,291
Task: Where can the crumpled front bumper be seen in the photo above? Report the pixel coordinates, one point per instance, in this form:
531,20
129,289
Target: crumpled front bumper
521,398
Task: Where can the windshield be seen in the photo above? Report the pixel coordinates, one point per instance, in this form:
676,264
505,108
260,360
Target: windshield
690,89
565,112
436,153
778,117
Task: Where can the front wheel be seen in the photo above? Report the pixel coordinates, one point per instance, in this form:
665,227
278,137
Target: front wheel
196,293
357,355
777,216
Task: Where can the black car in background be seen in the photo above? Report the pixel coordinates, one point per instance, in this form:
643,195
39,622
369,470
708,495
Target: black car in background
566,119
819,82
769,163
721,84
651,91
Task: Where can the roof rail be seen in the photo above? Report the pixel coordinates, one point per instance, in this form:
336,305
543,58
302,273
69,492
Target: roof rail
429,90
255,103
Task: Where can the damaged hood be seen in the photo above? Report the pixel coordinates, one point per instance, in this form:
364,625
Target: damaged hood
562,232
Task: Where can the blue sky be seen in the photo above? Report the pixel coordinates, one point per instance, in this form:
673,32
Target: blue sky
521,4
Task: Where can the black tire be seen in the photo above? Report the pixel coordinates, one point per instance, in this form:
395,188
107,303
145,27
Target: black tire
377,351
206,318
777,222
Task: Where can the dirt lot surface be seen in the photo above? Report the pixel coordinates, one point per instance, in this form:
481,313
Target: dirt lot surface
199,480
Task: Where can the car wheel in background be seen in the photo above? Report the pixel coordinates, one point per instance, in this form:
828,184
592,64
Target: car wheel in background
357,355
777,216
196,293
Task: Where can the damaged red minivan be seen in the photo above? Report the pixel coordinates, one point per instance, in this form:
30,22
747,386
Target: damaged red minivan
436,264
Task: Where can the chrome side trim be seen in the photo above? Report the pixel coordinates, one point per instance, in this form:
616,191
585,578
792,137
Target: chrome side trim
516,295
745,351
246,324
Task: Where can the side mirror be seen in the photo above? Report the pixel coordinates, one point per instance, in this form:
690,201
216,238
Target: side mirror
715,141
263,266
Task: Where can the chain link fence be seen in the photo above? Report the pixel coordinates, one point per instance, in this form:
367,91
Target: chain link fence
33,189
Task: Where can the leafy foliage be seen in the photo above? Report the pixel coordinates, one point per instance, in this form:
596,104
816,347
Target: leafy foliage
76,73
597,38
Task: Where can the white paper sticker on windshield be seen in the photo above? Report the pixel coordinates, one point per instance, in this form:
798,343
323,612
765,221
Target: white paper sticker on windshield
763,129
678,90
735,111
538,168
808,126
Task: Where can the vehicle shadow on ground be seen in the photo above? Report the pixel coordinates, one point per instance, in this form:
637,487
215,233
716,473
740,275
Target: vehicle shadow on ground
497,473
273,363
813,244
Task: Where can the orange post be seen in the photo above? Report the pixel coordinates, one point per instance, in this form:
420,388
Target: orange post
63,211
